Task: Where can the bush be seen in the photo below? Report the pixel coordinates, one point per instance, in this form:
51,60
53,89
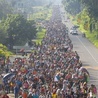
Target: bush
4,52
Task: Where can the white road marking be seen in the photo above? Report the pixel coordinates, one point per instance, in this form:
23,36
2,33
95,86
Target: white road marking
87,50
93,80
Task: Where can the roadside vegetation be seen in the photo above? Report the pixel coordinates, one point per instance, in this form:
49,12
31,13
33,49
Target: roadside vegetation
16,29
39,36
4,51
41,14
86,17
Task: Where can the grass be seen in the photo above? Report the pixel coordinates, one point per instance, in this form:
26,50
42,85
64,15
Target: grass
41,14
40,36
49,14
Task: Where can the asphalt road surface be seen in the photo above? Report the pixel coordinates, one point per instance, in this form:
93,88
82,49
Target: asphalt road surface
88,54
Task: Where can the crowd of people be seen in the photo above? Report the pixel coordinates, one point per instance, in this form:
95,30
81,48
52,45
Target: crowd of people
53,70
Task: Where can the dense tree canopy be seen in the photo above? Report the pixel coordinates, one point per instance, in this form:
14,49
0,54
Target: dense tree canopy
87,19
4,9
72,6
18,30
92,7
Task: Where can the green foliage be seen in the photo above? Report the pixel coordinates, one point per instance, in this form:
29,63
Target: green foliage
18,30
3,51
92,31
4,9
72,6
40,35
41,13
92,7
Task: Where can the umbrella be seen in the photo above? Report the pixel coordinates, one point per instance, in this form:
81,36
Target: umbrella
8,75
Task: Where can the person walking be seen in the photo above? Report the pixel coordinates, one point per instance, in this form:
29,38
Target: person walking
16,91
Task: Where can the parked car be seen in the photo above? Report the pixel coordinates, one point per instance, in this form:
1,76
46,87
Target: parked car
74,32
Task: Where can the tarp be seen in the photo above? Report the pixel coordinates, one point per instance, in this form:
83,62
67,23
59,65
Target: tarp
8,75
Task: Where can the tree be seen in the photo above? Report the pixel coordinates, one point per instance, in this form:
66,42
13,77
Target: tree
4,9
92,7
18,29
3,35
72,6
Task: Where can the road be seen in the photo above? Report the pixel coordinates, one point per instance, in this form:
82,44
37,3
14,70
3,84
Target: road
88,54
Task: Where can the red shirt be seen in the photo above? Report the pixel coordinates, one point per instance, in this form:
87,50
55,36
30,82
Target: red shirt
5,96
